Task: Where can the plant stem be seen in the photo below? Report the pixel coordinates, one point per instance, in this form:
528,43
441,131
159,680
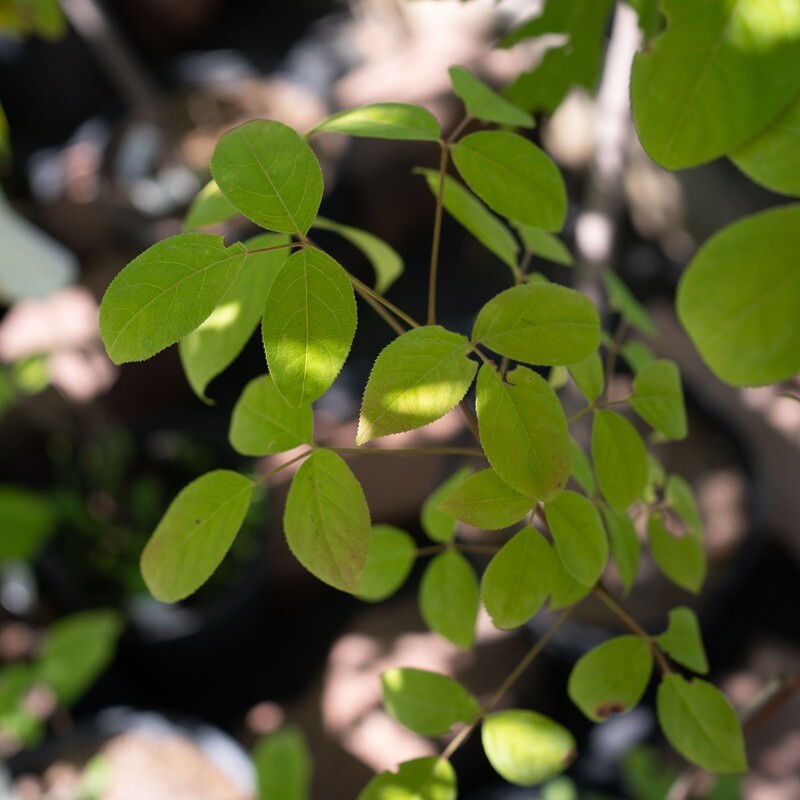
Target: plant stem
379,298
611,360
460,127
585,410
512,678
437,232
274,247
275,470
469,418
381,312
633,626
409,451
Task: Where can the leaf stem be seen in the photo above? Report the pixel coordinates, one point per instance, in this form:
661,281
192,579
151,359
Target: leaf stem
381,311
409,451
460,127
469,418
437,233
633,626
506,685
379,298
274,247
584,410
275,470
611,359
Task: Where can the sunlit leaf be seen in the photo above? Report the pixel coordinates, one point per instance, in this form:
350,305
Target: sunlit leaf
448,598
268,172
327,521
389,562
416,379
526,748
524,410
486,501
513,177
429,778
518,580
739,300
682,640
283,765
385,121
309,324
165,293
700,724
209,207
579,536
426,702
195,534
612,677
484,103
437,524
539,323
658,398
264,423
620,459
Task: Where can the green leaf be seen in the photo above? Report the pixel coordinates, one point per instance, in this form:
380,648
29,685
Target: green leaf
650,21
513,177
27,520
283,765
448,598
428,778
655,478
484,103
658,398
620,459
681,559
389,562
264,423
544,245
745,320
576,62
637,354
772,156
579,536
327,521
195,534
438,525
611,678
539,323
566,590
210,349
733,62
700,724
681,497
518,580
465,208
309,324
385,260
526,748
588,376
426,702
682,640
625,545
416,379
385,121
486,501
165,293
626,305
209,207
76,650
524,410
581,468
270,174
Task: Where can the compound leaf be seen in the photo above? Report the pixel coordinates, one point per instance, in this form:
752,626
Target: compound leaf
518,580
448,598
270,174
309,324
426,702
486,501
195,534
700,724
620,459
389,562
263,422
207,351
416,379
526,748
612,677
731,61
739,300
513,177
579,536
165,293
658,398
539,323
385,121
523,410
327,521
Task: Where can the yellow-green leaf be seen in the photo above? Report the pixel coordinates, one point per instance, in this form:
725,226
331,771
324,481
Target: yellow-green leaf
429,778
384,121
588,376
620,459
658,398
681,558
448,598
682,640
209,207
389,562
283,765
486,501
438,525
484,103
625,544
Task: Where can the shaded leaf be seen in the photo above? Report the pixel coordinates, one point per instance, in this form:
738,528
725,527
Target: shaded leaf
626,305
209,207
681,497
581,468
428,778
544,245
283,765
588,376
620,459
682,640
389,562
438,525
658,398
484,103
566,590
384,121
486,501
682,559
637,354
625,545
448,598
327,521
27,520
